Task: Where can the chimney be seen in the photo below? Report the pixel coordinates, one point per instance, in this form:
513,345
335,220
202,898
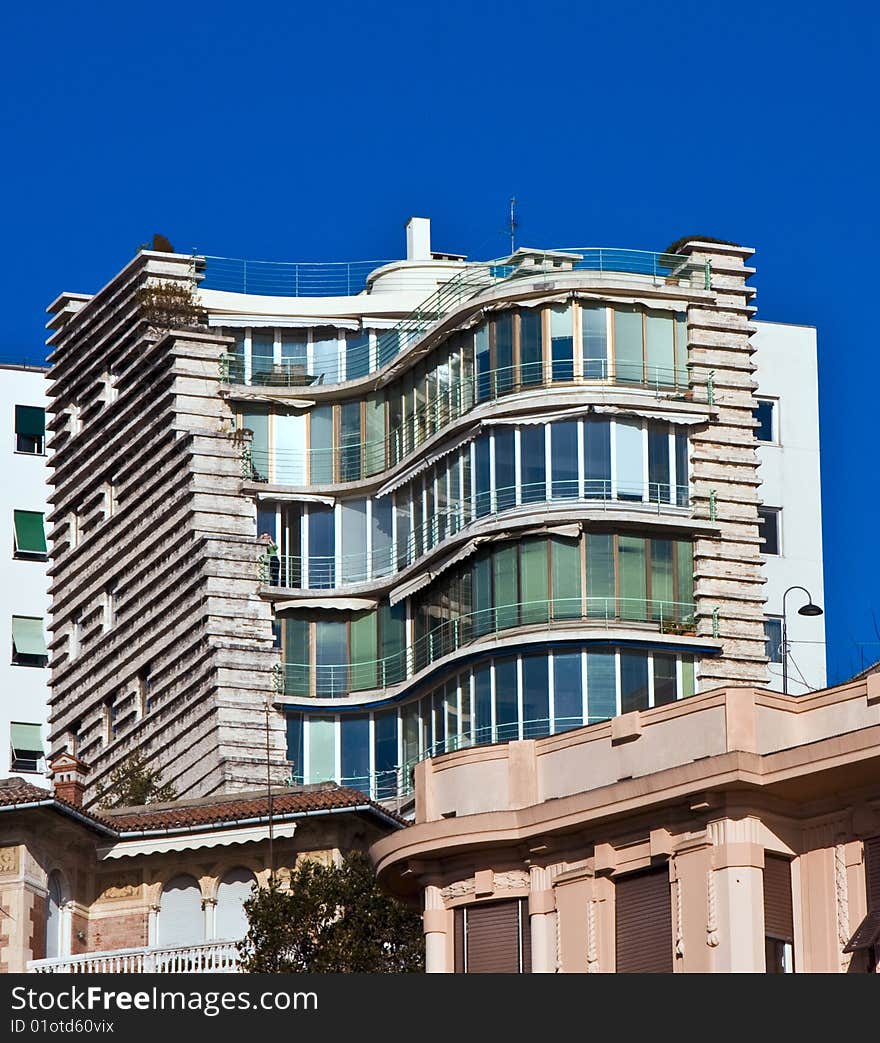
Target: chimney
418,239
68,775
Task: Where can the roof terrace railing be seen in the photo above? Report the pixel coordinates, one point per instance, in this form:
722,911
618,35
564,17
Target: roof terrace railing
339,680
287,278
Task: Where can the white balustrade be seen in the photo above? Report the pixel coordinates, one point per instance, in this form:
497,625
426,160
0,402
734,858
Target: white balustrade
209,957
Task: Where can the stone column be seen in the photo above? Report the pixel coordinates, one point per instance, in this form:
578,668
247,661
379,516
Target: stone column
434,925
735,898
542,921
210,907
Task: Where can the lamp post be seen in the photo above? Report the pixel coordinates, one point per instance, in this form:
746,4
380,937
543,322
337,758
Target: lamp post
810,609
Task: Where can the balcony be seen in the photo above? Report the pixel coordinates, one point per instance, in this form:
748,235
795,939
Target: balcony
220,957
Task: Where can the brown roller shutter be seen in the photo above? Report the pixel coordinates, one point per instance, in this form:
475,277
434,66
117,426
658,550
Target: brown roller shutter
872,873
525,928
458,941
643,922
493,938
778,920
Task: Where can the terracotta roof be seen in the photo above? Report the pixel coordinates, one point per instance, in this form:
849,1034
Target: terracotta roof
219,810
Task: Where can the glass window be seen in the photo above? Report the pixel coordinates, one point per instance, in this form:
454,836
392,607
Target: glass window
392,627
451,702
28,641
533,464
566,565
388,345
26,744
633,681
262,355
601,686
257,420
363,651
600,575
321,444
684,553
482,705
30,429
290,441
764,414
374,447
483,362
296,656
629,454
662,575
688,682
385,753
322,749
482,476
597,459
357,354
410,718
505,469
564,459
535,580
658,464
30,534
266,521
633,579
768,529
503,329
354,541
506,586
483,615
325,354
506,700
681,350
682,479
381,536
536,697
567,697
294,357
561,342
331,655
438,711
628,344
665,685
594,330
404,531
530,345
349,441
322,547
773,639
354,751
295,746
661,350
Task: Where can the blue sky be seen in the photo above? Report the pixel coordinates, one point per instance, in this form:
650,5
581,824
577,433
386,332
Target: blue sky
311,132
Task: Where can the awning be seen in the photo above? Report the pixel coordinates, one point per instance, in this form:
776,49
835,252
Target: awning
28,637
30,535
426,462
672,417
287,322
26,738
328,501
30,420
331,604
867,933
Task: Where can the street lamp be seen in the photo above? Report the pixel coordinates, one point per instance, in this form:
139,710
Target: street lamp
810,609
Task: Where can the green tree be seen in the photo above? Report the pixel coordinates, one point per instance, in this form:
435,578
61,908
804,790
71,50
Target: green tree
134,783
331,920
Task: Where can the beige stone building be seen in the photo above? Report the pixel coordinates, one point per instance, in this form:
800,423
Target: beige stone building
735,831
447,505
157,888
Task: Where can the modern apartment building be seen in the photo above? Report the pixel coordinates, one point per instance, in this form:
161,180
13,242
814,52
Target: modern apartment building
352,516
24,600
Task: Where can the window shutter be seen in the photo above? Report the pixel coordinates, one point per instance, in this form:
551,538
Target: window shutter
458,941
493,938
778,919
28,636
30,420
525,928
643,922
872,873
30,536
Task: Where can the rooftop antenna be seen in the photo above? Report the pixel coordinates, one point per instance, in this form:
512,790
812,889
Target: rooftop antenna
514,224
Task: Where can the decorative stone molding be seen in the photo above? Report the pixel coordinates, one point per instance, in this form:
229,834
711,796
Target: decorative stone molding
842,899
712,936
125,885
515,878
8,859
458,889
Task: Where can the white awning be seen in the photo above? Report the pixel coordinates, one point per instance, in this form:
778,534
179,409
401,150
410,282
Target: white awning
426,462
329,501
238,321
331,604
672,417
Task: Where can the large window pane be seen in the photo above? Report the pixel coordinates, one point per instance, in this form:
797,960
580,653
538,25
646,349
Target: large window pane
374,437
594,331
484,387
357,354
530,345
633,681
503,327
633,578
290,445
256,419
295,746
597,459
363,651
658,464
322,547
482,476
262,352
482,705
682,480
662,589
600,575
562,342
567,696
385,753
381,536
681,352
296,656
354,751
601,686
411,753
321,444
404,531
506,587
665,688
483,615
536,697
350,442
354,541
535,580
533,464
294,356
322,749
506,701
392,627
660,350
505,469
331,655
684,553
628,344
629,458
325,352
564,459
566,564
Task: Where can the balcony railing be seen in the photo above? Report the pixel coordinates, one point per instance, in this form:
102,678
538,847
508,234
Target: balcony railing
339,680
287,278
355,460
220,957
320,572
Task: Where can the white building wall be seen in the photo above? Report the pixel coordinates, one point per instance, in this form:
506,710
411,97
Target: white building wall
787,374
24,690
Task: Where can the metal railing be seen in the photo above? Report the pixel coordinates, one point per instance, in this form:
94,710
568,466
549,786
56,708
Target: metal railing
337,680
204,958
354,461
287,278
321,572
